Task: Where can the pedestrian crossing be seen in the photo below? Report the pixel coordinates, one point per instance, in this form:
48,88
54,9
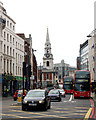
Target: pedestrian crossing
74,112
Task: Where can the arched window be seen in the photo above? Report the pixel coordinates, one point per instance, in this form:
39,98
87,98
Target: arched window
47,63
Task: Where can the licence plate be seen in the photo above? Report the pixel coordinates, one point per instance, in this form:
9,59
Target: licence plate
53,98
32,104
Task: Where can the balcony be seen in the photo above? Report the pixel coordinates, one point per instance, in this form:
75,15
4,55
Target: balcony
3,22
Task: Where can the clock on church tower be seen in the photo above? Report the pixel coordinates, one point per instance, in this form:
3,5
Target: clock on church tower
48,57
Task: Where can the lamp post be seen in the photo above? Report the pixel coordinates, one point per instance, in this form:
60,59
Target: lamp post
40,77
33,65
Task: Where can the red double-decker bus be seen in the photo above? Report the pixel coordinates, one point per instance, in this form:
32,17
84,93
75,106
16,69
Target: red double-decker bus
82,83
68,84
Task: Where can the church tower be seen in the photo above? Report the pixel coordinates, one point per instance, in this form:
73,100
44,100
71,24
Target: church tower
48,57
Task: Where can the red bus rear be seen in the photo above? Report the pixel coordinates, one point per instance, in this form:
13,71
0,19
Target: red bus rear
82,83
68,84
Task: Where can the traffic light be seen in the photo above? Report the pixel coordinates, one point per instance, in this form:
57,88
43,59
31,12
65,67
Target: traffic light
29,70
24,68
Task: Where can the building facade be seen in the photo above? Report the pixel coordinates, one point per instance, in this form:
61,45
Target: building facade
92,57
12,54
84,59
63,69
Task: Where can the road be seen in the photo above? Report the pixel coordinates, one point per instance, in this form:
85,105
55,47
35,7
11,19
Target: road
67,108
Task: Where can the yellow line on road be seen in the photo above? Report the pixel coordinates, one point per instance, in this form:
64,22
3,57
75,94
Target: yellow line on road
88,113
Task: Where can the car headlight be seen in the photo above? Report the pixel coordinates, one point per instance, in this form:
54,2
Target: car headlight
41,101
24,101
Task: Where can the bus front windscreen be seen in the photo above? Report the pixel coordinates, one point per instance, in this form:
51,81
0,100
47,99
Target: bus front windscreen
68,83
68,86
82,85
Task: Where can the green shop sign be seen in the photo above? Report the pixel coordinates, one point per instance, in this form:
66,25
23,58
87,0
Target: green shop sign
20,78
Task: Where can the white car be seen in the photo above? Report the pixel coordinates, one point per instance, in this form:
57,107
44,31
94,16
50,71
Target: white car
62,92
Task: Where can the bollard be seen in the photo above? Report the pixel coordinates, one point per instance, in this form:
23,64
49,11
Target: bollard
19,97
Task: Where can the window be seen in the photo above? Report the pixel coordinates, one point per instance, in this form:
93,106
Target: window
10,51
13,27
10,39
16,44
47,76
20,70
59,76
13,68
4,65
47,63
13,52
10,25
13,41
16,57
4,35
4,49
7,50
7,66
59,80
20,59
10,66
7,37
16,70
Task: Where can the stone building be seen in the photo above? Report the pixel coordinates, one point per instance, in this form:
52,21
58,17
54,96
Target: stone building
11,53
48,72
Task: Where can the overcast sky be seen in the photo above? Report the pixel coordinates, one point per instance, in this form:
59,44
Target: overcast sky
68,21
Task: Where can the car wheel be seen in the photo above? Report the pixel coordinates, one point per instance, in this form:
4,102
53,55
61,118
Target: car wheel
60,100
49,105
23,108
45,107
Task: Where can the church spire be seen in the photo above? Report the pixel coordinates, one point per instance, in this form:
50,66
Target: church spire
47,36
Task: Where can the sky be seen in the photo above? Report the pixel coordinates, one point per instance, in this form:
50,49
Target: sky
68,22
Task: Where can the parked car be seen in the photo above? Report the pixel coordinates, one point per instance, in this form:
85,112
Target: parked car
54,95
62,92
36,99
15,96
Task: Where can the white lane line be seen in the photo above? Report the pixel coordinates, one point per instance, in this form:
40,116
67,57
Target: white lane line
71,98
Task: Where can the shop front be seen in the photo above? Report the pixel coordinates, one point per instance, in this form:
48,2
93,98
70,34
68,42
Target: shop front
8,85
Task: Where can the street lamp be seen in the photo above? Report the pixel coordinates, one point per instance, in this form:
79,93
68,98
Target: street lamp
33,65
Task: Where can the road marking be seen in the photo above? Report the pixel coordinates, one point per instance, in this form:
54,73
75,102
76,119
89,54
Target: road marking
71,98
69,101
82,107
88,113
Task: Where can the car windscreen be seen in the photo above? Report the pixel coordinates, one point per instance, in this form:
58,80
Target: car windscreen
54,92
35,94
61,90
